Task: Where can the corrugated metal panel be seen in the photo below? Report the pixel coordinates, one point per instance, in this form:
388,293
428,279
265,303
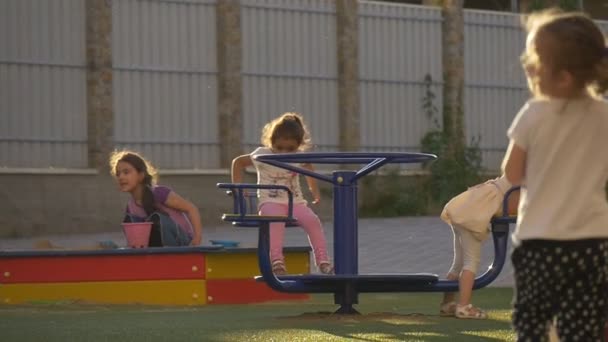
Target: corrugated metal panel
289,64
398,46
495,82
165,88
165,77
42,84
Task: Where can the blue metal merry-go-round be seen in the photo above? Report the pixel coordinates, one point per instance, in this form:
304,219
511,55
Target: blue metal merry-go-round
347,283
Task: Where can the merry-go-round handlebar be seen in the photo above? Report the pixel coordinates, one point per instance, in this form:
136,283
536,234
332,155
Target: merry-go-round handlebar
373,161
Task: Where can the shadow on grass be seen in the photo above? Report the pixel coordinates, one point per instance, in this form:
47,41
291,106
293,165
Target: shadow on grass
401,327
388,317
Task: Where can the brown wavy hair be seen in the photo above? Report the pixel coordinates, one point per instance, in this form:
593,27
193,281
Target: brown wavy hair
290,125
141,165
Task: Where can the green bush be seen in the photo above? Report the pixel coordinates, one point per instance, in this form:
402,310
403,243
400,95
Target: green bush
392,194
450,175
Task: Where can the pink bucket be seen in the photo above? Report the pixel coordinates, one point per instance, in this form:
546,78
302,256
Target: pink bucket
137,234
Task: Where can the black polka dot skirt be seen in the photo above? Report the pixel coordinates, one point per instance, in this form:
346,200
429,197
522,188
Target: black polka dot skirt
565,282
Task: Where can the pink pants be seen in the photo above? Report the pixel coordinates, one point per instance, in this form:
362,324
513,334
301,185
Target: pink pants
307,219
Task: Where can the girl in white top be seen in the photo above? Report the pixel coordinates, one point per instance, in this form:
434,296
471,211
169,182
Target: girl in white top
285,134
558,152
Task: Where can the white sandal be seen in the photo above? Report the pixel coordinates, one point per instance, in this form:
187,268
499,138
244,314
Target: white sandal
470,312
326,268
447,309
278,267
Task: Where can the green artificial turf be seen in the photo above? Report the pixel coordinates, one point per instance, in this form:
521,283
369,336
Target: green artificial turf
385,317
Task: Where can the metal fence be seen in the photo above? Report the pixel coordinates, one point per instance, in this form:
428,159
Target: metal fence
165,88
495,84
165,77
42,84
398,47
289,64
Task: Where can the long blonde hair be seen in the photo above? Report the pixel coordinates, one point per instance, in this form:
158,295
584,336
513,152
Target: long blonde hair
576,45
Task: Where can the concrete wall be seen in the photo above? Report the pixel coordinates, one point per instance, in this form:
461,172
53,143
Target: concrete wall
35,203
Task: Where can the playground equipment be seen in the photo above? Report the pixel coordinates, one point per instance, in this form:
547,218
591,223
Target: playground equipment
154,276
246,202
347,283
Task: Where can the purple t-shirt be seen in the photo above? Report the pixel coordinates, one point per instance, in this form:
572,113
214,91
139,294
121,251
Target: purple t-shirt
161,193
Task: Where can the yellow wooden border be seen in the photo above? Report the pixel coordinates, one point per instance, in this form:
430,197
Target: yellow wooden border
155,292
245,265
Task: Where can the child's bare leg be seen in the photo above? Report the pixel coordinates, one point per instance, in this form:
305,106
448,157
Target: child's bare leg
450,296
465,287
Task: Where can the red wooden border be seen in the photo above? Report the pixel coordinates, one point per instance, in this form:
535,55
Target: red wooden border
40,269
245,291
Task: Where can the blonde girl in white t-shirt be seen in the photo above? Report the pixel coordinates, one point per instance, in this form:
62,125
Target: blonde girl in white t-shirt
558,152
285,134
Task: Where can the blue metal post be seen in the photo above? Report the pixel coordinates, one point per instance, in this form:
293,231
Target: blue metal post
345,223
346,247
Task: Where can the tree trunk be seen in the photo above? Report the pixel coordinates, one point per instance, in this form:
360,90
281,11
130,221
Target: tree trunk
229,52
431,2
100,115
453,76
348,74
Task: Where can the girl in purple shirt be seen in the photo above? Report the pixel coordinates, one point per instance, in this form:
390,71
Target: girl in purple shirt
137,176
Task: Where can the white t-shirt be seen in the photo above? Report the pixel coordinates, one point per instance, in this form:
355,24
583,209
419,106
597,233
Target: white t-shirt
268,174
563,196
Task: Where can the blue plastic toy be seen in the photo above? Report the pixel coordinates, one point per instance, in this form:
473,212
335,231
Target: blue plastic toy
225,243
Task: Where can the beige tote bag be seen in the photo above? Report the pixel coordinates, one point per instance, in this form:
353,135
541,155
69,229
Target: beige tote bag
474,208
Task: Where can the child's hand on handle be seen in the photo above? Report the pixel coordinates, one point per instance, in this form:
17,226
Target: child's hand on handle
239,164
316,195
312,185
196,240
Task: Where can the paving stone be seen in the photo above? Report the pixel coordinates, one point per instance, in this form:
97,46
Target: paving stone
386,245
